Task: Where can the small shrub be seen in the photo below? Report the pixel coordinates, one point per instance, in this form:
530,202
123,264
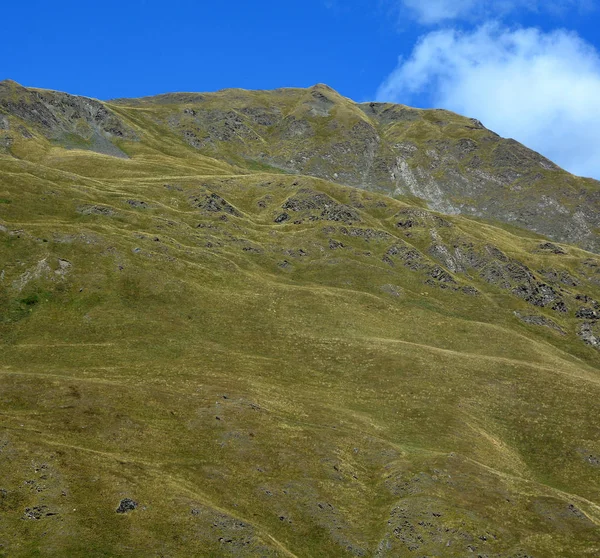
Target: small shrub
30,300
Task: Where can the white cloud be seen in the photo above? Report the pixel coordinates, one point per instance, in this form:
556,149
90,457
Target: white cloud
435,11
430,12
543,89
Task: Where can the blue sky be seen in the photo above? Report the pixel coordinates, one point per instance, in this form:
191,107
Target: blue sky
529,69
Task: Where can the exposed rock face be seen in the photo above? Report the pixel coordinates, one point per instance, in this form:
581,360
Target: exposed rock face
539,321
71,121
588,335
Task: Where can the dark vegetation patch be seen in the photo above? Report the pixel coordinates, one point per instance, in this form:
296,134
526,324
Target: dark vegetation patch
14,309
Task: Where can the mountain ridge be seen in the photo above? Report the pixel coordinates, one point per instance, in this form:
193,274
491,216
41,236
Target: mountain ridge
451,162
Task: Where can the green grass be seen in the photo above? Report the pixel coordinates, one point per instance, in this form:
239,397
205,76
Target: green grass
261,408
262,167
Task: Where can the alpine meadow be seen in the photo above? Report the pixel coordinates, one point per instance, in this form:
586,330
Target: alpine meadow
285,324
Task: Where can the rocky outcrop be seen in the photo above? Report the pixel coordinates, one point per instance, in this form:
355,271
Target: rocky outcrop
314,206
69,120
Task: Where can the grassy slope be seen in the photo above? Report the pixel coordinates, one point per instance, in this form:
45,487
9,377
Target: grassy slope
257,389
451,161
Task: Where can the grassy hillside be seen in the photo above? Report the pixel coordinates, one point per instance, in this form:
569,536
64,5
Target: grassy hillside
207,352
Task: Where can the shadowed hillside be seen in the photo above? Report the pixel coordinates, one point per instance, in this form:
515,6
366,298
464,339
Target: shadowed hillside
213,343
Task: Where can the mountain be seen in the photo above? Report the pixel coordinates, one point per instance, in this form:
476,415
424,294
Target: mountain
286,324
453,163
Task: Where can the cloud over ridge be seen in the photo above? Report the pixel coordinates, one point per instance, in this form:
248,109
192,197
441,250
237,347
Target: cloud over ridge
542,89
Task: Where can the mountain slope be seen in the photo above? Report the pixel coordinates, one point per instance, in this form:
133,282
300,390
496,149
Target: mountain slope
204,356
453,163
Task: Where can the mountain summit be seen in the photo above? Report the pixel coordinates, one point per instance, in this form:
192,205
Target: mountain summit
281,323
